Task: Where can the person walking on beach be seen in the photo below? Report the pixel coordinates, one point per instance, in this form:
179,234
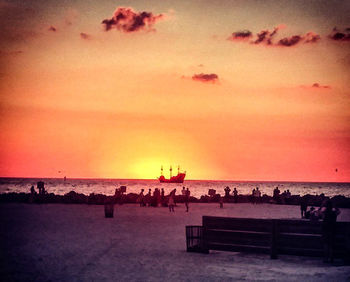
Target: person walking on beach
329,215
171,201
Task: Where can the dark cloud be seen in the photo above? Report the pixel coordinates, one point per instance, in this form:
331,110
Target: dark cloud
289,41
85,36
128,20
261,36
338,35
52,28
241,35
203,77
266,37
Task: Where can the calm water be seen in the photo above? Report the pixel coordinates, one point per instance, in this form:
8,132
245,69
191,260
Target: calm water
197,187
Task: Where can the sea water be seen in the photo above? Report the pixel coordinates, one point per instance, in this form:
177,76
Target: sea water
59,186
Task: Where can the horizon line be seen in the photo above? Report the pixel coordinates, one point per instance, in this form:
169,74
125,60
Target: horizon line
217,180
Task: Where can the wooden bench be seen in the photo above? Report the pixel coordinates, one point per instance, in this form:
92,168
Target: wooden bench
269,236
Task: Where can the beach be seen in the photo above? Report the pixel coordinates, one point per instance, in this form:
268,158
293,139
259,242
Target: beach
58,242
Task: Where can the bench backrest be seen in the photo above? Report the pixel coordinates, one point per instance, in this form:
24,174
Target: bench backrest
274,236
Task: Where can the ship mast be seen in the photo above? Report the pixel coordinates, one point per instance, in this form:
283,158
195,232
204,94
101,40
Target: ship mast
178,169
161,170
171,171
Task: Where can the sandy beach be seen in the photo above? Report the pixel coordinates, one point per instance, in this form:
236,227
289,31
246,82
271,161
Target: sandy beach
56,242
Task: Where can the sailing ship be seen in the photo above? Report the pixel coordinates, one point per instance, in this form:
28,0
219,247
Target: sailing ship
179,178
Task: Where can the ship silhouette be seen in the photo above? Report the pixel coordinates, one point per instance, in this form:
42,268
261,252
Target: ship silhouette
179,178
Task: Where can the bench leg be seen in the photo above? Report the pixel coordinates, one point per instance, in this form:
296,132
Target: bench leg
273,246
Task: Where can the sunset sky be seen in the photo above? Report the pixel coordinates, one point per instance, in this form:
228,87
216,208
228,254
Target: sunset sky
231,90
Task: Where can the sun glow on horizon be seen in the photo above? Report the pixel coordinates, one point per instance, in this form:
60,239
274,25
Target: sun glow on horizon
236,97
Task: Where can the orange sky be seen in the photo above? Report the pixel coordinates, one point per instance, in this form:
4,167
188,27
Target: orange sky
189,83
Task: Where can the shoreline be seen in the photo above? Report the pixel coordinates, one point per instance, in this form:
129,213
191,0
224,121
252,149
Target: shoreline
99,199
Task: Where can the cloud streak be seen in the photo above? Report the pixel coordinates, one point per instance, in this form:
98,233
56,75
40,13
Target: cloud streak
241,35
316,85
127,20
203,77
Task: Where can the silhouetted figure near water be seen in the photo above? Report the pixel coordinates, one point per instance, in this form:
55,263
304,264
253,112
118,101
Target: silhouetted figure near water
32,190
329,215
256,194
235,195
162,197
253,196
227,191
118,195
303,207
156,198
276,195
32,194
149,197
141,198
41,187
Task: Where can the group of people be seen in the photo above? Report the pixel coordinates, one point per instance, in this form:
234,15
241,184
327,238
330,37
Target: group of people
234,193
148,200
158,198
41,188
256,195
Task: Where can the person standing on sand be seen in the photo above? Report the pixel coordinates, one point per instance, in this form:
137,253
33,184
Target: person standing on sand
162,197
257,195
148,197
329,215
303,206
235,195
227,192
221,201
141,198
253,196
171,201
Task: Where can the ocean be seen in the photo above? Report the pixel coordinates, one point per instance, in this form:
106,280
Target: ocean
197,187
